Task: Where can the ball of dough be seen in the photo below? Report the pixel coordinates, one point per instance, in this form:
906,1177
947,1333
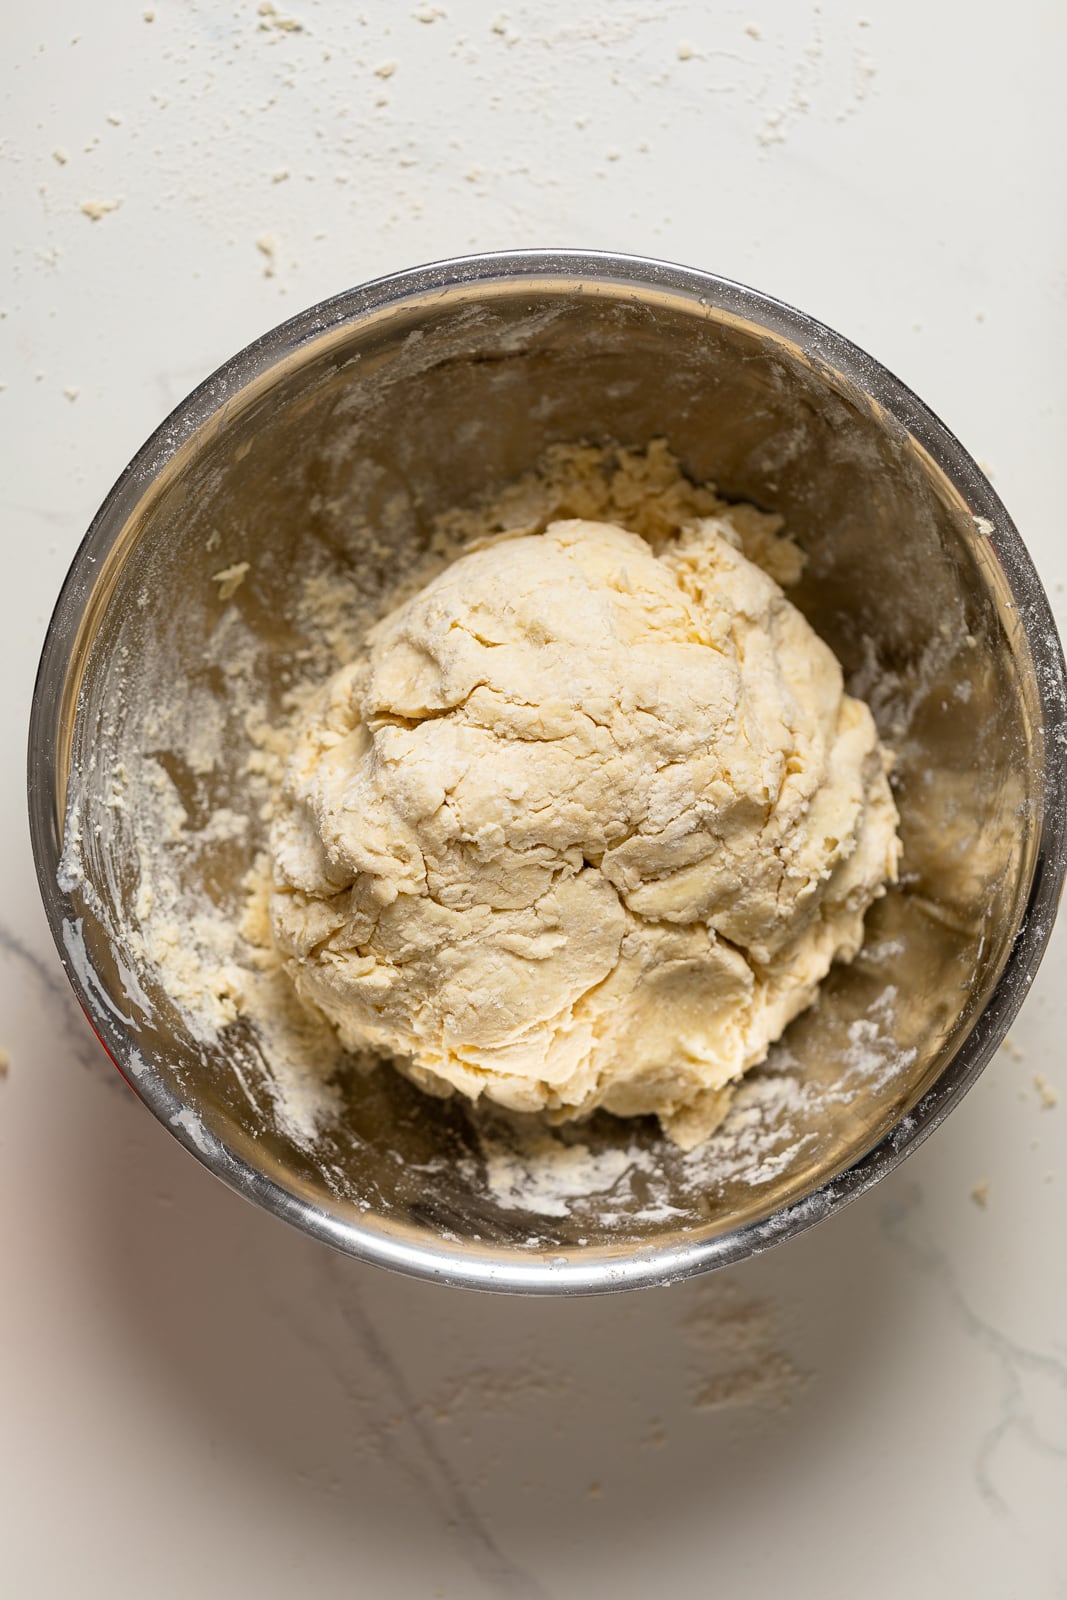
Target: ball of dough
584,825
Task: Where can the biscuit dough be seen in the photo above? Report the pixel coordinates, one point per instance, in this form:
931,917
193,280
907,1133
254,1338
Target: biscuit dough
585,824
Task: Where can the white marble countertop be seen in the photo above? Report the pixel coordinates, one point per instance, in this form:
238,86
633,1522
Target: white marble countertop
196,1399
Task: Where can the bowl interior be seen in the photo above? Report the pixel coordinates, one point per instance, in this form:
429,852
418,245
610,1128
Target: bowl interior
330,459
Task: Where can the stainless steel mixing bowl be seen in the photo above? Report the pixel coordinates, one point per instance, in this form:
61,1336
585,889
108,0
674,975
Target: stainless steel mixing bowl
411,395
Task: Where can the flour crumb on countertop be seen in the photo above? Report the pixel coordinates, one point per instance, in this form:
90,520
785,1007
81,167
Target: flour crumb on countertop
772,130
60,156
428,14
95,209
500,1391
272,18
385,69
754,30
980,1194
1045,1092
280,176
268,249
230,579
149,16
71,391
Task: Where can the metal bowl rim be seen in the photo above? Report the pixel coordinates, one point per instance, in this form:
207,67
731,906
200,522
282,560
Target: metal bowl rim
647,1265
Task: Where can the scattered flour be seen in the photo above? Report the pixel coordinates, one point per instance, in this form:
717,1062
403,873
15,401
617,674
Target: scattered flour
191,1124
544,1175
737,1355
529,1168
